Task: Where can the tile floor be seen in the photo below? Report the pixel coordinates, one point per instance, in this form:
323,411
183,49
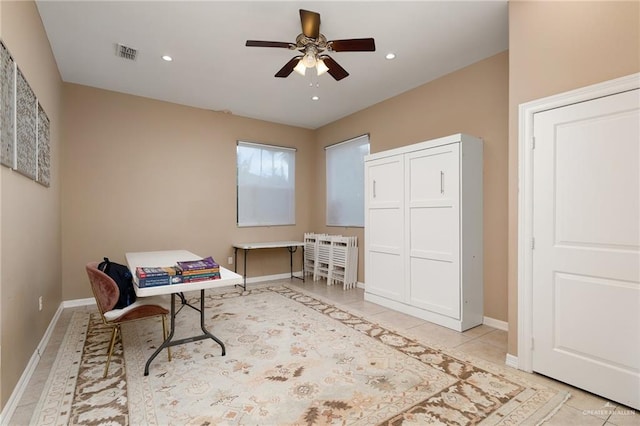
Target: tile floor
483,341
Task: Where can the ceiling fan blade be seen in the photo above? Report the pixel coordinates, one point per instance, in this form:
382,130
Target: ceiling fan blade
288,68
353,45
259,43
335,69
310,23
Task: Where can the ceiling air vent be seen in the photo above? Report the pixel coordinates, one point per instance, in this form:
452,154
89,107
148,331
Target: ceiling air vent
126,52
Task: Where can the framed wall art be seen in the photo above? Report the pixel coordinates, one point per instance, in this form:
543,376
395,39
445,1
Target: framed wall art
25,140
44,155
7,108
26,127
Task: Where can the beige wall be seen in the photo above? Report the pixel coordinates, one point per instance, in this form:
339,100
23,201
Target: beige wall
555,47
142,175
104,129
30,214
473,100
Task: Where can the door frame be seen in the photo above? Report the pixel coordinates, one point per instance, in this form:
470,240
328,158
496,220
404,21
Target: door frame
526,112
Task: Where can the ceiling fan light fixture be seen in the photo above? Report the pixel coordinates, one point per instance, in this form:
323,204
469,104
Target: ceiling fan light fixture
309,60
321,67
300,68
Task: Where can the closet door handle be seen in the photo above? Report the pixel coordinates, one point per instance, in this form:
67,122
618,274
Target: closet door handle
374,188
441,182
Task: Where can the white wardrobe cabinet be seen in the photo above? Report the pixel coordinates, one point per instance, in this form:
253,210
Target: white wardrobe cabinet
384,227
423,230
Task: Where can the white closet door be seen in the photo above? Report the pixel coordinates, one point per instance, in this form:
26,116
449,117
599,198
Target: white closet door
384,227
586,261
433,233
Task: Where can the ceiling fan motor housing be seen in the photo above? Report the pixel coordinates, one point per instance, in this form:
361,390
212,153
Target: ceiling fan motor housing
302,41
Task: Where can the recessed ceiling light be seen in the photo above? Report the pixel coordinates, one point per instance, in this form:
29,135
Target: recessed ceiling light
167,58
315,98
390,56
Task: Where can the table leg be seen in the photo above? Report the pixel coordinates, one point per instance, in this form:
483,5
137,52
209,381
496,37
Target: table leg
184,301
204,329
235,267
167,342
245,269
292,250
235,259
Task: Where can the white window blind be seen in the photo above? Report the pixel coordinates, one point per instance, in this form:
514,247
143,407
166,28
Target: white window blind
266,185
345,182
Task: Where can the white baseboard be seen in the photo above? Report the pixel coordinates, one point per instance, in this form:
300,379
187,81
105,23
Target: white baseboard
492,322
78,302
272,277
511,361
308,278
18,390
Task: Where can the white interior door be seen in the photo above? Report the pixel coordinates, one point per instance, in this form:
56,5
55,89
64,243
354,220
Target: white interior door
432,213
586,257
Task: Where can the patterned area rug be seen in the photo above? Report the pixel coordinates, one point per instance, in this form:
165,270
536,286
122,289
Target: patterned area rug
291,359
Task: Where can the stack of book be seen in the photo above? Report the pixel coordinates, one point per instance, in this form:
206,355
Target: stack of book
153,276
184,272
199,270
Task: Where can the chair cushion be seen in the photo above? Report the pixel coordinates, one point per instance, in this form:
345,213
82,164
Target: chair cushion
142,307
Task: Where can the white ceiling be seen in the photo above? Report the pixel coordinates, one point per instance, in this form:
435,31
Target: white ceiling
212,68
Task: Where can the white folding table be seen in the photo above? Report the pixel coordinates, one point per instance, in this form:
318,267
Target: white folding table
171,258
291,246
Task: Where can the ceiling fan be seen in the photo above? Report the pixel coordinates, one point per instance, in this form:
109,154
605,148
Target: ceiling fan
313,47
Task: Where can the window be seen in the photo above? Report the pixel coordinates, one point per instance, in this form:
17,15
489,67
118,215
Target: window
345,182
266,185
